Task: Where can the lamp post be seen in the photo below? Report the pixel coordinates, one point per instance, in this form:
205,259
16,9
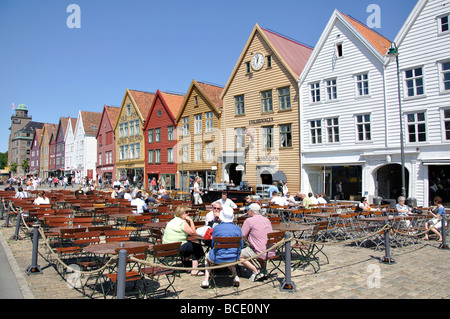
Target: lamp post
393,52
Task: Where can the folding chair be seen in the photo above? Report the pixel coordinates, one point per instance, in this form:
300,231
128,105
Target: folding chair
234,247
131,276
276,259
308,252
166,255
117,235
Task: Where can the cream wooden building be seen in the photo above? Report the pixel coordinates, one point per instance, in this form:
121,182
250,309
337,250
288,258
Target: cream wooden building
260,119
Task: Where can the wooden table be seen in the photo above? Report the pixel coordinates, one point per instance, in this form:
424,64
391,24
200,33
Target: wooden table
110,247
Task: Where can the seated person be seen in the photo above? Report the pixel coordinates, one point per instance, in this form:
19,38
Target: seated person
225,229
9,188
435,224
21,193
255,229
212,218
178,230
320,199
127,195
363,205
401,209
225,201
278,200
41,199
165,195
140,204
248,201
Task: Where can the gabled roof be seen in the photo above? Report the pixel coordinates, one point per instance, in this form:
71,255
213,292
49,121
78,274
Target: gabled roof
31,126
375,43
38,136
63,122
211,92
111,114
143,101
91,122
171,103
48,130
292,54
420,5
379,42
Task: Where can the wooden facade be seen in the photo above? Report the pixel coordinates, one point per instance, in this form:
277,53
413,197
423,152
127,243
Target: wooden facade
129,135
106,148
261,112
161,139
199,134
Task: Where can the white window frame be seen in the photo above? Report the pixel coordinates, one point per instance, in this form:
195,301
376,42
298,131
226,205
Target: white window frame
414,81
364,126
362,85
209,151
442,74
185,121
440,24
315,132
198,152
333,133
268,137
416,123
315,92
331,90
151,155
170,157
209,121
198,124
446,124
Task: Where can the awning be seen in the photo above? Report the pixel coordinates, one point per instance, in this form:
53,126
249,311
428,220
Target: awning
280,176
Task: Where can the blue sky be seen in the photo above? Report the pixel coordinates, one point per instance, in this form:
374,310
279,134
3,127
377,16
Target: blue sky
143,45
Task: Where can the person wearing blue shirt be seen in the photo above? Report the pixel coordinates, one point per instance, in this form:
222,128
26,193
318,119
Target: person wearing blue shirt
225,229
272,189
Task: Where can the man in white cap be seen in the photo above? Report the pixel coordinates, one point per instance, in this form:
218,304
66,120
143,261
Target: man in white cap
255,229
225,229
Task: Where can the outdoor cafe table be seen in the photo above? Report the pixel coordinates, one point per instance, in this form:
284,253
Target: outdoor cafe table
379,222
109,248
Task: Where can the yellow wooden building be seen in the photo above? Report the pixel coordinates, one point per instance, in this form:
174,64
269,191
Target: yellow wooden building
199,135
130,148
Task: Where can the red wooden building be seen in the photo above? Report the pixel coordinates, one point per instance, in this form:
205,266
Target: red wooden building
106,149
161,139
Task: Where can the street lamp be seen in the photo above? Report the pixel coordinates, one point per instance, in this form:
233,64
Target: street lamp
393,52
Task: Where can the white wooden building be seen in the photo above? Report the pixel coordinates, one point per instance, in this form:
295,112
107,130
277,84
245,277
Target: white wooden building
83,154
350,108
424,63
342,108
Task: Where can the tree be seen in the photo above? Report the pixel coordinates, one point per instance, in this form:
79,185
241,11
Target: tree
25,166
13,167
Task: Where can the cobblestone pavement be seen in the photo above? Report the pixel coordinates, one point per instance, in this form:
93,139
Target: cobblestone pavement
419,272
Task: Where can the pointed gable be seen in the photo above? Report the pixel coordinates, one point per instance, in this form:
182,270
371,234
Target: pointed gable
143,101
91,122
212,93
292,54
171,103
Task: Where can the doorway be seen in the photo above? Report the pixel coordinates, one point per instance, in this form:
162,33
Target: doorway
389,180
